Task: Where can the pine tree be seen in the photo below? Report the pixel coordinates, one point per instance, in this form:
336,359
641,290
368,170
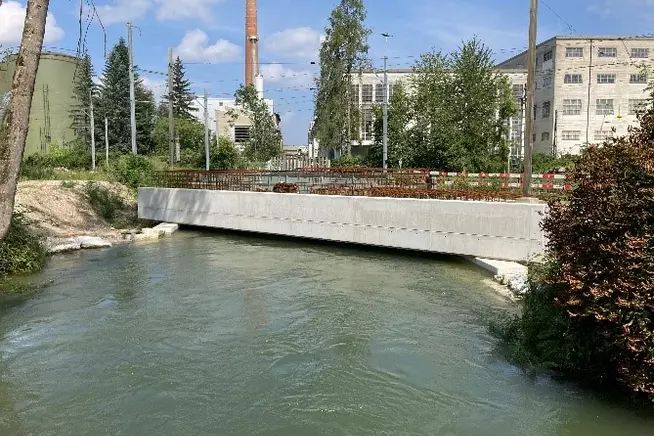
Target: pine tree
344,50
181,93
114,103
83,89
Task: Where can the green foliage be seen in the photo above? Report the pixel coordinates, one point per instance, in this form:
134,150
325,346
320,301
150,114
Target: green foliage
344,50
109,205
399,118
189,131
265,140
347,160
458,108
83,89
134,171
224,155
546,163
114,103
593,316
38,166
181,94
21,250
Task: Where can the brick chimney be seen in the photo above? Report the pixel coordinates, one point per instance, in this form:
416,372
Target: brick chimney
251,47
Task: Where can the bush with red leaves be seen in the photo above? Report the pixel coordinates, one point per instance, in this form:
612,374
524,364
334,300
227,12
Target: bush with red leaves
590,311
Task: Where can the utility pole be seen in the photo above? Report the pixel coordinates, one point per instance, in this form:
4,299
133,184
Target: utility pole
171,120
106,142
206,130
385,134
92,133
529,119
132,97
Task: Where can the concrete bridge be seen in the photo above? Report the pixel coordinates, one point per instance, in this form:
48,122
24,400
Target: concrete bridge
494,230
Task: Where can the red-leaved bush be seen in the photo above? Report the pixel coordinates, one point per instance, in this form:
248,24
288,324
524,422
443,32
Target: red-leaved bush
602,243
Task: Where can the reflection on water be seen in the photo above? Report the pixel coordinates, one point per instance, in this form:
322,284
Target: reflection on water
205,334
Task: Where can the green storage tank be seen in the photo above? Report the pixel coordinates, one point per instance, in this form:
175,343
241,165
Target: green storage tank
50,120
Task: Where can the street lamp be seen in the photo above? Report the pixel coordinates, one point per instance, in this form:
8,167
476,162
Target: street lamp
385,131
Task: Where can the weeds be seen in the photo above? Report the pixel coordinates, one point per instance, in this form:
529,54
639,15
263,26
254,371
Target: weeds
109,205
21,250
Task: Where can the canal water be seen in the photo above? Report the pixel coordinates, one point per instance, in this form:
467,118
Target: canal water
210,334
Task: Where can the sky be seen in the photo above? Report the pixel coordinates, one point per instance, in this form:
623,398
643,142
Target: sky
209,36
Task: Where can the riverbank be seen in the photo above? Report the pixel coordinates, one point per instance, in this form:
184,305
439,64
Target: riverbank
62,210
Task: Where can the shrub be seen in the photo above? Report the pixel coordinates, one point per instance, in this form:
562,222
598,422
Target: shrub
21,250
594,316
347,161
134,170
105,203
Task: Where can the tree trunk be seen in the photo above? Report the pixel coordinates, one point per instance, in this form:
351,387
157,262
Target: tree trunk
13,145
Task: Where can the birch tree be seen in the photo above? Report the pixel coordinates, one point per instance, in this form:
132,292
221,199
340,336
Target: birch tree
15,122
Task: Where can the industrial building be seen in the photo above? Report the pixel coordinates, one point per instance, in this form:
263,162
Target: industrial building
52,101
586,87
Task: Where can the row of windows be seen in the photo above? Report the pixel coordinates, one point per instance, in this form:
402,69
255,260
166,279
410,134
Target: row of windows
367,95
603,106
604,78
575,135
602,52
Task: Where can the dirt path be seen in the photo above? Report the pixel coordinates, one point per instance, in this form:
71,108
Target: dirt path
62,209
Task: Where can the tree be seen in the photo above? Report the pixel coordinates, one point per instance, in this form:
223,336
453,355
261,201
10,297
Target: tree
15,122
399,119
265,140
83,89
344,50
189,131
460,104
224,155
146,117
181,94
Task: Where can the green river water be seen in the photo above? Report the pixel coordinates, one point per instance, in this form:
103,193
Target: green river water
212,334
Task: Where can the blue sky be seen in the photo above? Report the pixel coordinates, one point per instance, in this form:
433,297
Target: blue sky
209,36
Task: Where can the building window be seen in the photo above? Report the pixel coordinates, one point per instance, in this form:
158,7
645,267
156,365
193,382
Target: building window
535,110
545,136
548,56
547,108
601,135
570,135
241,134
391,89
638,78
640,53
518,92
607,52
354,94
637,105
547,80
379,93
573,78
606,78
574,52
572,107
604,106
533,137
366,93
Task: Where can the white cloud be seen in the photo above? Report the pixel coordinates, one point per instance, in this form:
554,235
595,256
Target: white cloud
157,86
278,73
297,43
287,116
195,46
12,18
120,11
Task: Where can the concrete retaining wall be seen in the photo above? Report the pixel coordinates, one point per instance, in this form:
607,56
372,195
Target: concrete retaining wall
507,231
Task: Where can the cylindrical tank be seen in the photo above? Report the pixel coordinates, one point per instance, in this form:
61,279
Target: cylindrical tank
50,120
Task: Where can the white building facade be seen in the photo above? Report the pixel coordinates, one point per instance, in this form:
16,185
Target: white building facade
586,87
